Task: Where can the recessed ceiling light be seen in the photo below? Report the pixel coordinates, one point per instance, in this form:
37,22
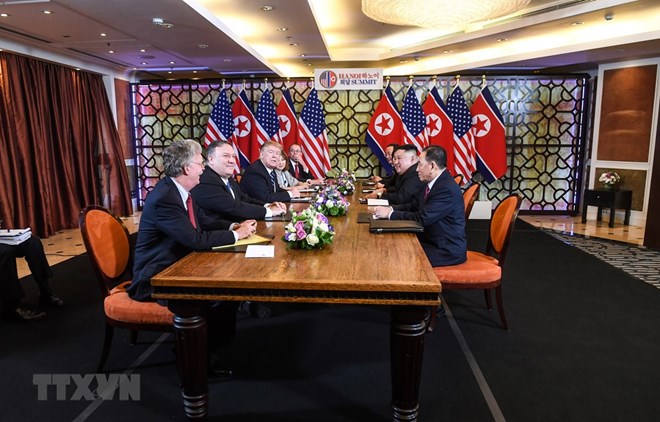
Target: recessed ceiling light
194,71
402,61
267,8
111,51
4,15
169,71
293,44
502,39
103,34
309,64
46,12
142,50
135,68
172,62
77,68
202,45
577,23
447,51
226,60
303,55
145,63
282,28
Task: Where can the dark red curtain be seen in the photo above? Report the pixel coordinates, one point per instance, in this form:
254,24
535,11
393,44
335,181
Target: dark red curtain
59,148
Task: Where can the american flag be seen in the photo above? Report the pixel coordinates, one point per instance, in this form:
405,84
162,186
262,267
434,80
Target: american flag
220,126
464,159
267,125
313,136
414,121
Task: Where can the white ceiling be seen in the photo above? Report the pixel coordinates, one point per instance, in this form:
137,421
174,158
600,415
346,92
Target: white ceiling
242,40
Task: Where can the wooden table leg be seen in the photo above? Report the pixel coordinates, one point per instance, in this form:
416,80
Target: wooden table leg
407,350
192,356
612,215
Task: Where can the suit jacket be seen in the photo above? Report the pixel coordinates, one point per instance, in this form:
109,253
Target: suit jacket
442,214
166,235
257,183
302,175
406,187
214,197
389,182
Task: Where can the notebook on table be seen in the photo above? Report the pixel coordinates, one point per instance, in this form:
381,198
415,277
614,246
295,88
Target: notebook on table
395,226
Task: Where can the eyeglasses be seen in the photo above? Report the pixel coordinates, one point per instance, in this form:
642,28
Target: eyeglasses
202,164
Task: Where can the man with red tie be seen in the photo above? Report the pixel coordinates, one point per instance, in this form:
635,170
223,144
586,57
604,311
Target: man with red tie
439,208
296,165
172,225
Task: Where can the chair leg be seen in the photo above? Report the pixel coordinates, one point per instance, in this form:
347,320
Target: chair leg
107,342
500,306
134,336
489,304
431,322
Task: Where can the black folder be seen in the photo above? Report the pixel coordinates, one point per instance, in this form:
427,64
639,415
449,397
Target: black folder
395,226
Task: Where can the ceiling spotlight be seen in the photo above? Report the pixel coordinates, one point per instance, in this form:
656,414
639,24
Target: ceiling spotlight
169,71
172,62
303,55
47,12
161,22
142,50
447,51
267,8
293,44
194,71
4,15
145,63
502,39
203,45
111,51
103,34
282,29
577,23
403,61
609,16
226,60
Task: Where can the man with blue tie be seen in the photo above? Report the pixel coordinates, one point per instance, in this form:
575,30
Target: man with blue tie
219,194
438,207
260,180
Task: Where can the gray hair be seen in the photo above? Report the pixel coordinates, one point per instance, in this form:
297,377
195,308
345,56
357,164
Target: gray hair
179,154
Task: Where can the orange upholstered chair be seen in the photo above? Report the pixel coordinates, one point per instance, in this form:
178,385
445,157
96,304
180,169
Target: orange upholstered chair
459,179
484,271
107,243
469,196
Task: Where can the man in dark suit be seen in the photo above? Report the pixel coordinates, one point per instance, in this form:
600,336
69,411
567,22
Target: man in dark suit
260,180
407,184
11,291
219,194
296,164
389,155
173,225
439,208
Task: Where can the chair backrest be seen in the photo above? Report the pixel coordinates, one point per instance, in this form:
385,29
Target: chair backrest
501,226
459,179
107,243
469,196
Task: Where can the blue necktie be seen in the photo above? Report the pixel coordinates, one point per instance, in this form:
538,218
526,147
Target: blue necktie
273,178
229,189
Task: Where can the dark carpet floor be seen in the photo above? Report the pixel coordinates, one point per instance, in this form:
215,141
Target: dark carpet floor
583,346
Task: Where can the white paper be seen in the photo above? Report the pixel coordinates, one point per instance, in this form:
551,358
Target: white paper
377,202
260,251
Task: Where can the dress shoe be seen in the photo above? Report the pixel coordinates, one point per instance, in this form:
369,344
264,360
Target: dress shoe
51,300
21,314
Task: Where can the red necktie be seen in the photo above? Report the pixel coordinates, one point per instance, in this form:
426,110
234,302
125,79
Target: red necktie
295,169
426,192
191,212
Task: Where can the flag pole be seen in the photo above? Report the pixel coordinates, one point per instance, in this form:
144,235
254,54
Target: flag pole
223,84
243,84
387,81
483,81
266,82
458,80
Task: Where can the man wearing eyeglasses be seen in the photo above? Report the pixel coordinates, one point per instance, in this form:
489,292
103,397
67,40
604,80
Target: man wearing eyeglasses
219,194
296,165
260,180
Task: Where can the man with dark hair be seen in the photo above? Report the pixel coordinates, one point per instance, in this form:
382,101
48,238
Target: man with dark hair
172,225
11,291
296,164
389,155
219,194
407,183
439,208
260,180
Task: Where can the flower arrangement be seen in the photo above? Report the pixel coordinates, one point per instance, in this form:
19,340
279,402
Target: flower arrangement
308,229
609,179
345,182
329,201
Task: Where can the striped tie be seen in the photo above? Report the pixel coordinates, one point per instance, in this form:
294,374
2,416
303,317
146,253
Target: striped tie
274,180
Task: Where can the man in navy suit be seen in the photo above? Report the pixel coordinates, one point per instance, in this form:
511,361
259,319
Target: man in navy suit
296,165
172,225
219,194
439,208
260,180
407,184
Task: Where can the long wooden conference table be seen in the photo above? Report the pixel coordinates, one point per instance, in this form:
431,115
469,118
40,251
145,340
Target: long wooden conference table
359,267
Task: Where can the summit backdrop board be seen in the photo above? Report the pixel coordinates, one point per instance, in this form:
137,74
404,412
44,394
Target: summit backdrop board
348,79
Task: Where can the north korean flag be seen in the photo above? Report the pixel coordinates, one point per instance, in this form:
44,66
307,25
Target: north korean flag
384,128
243,123
286,114
439,128
489,137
